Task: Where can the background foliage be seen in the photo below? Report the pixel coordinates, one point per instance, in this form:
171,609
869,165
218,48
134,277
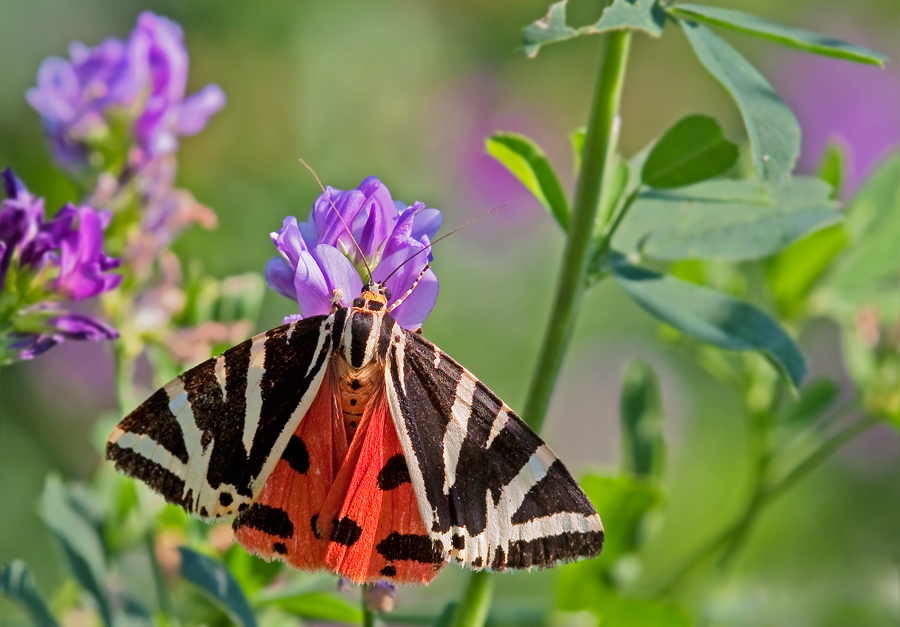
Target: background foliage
409,91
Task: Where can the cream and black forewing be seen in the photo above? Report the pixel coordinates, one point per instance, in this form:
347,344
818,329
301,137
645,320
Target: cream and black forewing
209,438
489,489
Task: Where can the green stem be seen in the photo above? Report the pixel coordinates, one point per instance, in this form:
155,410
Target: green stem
473,609
815,459
573,271
766,496
368,615
162,593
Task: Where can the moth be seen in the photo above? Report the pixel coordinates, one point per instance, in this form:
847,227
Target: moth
347,443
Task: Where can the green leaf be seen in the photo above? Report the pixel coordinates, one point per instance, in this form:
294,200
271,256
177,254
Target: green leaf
67,517
637,612
622,503
445,618
217,581
693,150
528,163
641,414
869,268
773,130
577,139
712,317
831,167
322,606
794,272
645,15
549,29
690,224
814,398
17,582
793,37
615,182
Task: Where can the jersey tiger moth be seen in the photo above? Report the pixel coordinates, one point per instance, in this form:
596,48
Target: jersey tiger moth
349,444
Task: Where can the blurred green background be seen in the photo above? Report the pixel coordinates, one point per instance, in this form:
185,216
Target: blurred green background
407,90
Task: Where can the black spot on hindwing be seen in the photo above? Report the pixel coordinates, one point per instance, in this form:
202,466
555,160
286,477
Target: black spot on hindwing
389,571
280,548
225,499
345,531
296,455
406,546
271,520
394,473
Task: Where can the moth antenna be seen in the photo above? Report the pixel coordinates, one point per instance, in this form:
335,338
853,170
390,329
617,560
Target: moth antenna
340,217
444,236
409,291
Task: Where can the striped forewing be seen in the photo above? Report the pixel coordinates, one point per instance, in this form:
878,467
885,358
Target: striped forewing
490,490
209,438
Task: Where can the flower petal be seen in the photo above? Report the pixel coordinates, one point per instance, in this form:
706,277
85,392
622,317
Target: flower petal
280,277
196,110
426,223
339,274
75,326
289,241
411,313
415,308
313,295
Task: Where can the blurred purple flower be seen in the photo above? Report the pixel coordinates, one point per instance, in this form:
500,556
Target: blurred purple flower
380,597
160,64
68,326
55,259
319,256
143,78
82,262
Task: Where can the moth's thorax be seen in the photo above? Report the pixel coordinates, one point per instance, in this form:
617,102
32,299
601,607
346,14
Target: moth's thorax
366,330
370,301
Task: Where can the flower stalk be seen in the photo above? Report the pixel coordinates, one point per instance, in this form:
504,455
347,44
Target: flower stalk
598,146
573,271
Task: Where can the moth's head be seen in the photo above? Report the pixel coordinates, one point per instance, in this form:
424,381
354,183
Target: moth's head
374,297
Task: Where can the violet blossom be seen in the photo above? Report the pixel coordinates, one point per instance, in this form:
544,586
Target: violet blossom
43,261
142,81
320,264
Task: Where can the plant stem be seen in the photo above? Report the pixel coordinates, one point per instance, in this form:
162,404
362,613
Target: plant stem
765,496
473,609
368,615
573,271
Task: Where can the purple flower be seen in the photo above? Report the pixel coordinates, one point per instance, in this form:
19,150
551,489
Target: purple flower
160,63
319,257
68,326
82,262
55,259
143,79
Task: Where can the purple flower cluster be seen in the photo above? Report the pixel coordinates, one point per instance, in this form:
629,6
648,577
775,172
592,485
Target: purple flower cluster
142,81
44,260
319,256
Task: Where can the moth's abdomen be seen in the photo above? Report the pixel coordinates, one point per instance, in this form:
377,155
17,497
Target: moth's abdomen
356,388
